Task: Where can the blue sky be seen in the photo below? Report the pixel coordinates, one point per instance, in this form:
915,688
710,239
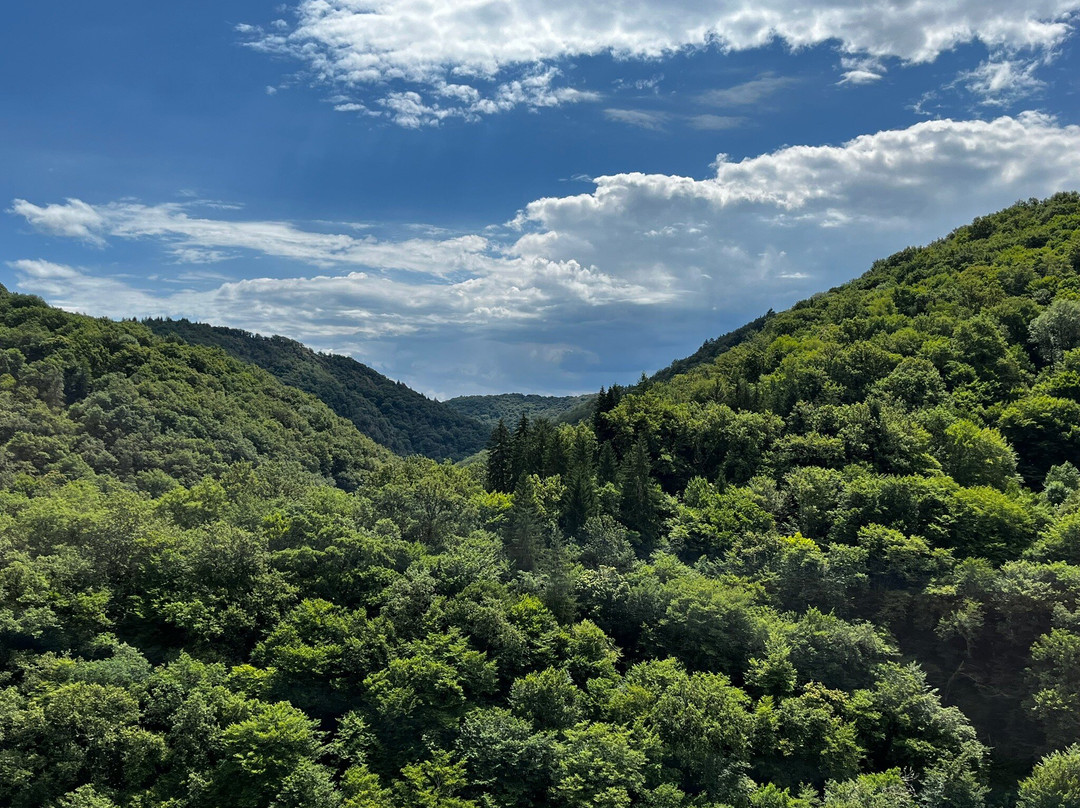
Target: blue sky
533,195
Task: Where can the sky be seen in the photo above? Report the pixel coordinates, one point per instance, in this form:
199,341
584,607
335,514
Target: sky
485,196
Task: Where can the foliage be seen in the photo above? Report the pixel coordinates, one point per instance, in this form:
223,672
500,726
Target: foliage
388,412
509,407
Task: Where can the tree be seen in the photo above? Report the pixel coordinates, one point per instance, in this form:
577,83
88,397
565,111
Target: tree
506,758
523,457
1046,432
886,790
1061,481
1055,782
547,698
975,456
434,783
500,461
639,504
581,501
1057,330
1055,666
262,752
599,766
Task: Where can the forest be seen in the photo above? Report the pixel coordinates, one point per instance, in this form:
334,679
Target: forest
830,561
510,407
388,412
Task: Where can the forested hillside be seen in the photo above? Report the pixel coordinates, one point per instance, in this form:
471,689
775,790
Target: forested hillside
510,407
80,395
835,565
386,411
711,349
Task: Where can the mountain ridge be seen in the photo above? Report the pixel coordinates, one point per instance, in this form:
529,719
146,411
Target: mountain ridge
392,414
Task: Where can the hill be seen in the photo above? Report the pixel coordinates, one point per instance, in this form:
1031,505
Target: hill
934,398
509,407
388,412
81,395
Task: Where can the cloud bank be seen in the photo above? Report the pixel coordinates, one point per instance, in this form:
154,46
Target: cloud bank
592,279
422,61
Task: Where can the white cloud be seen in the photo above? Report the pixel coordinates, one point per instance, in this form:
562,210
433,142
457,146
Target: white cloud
1004,81
75,219
861,70
761,218
44,270
424,46
194,239
648,255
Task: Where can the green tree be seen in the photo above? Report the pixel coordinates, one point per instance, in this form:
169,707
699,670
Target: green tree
1055,782
262,752
1057,330
599,766
973,456
639,504
500,460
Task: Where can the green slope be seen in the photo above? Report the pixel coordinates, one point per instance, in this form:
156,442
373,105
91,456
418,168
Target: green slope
711,349
386,411
79,394
935,398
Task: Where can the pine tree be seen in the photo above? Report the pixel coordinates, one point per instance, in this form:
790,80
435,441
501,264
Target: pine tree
521,462
580,501
525,526
500,460
607,469
639,504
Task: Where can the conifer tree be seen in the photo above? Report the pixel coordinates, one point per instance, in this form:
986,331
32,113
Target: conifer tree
581,500
521,461
500,460
640,497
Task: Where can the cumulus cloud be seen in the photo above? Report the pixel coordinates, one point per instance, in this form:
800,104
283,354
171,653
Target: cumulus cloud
636,253
803,209
504,51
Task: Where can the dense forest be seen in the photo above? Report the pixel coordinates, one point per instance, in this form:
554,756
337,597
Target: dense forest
511,406
388,412
833,564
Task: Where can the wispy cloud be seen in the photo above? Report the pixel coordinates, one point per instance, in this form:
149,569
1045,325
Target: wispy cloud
716,123
1003,81
748,93
641,118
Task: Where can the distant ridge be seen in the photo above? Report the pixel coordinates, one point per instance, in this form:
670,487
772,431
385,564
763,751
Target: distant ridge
511,406
389,412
